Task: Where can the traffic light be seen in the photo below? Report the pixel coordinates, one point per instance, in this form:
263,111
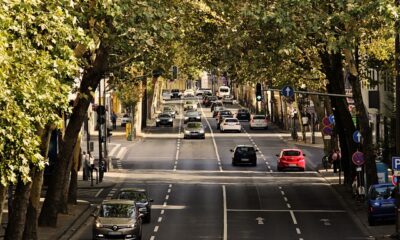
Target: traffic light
174,72
258,92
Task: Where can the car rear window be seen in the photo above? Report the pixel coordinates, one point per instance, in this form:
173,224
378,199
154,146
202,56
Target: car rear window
164,115
231,120
245,149
225,112
382,192
194,125
258,117
291,153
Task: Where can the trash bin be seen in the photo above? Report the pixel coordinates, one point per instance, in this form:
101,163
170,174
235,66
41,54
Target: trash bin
382,171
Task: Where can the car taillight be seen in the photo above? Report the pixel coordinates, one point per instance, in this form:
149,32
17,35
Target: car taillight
371,209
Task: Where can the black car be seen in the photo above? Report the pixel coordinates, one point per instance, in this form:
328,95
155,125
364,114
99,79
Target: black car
141,198
175,93
243,115
221,115
216,103
118,219
207,101
164,119
192,116
244,154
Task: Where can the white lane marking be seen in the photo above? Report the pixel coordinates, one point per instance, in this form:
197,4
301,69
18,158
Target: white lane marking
298,230
156,228
170,186
167,197
169,190
271,170
112,152
283,193
280,187
165,204
98,193
293,217
162,212
152,238
212,137
225,213
288,205
285,198
159,219
287,210
121,152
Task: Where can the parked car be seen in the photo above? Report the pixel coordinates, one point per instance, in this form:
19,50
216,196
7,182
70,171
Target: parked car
291,159
381,202
192,116
194,130
221,115
190,104
258,121
166,94
214,104
243,114
164,119
244,154
175,93
216,111
227,99
188,93
118,219
170,110
230,124
141,198
125,119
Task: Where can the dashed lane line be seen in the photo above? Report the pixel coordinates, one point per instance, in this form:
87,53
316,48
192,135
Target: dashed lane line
98,193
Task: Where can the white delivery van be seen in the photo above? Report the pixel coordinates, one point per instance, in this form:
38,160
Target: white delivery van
223,91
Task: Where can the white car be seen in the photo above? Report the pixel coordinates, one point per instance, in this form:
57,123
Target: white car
190,105
188,93
125,119
230,124
223,91
166,95
258,121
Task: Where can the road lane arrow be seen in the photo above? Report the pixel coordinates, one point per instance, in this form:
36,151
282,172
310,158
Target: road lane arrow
325,221
287,91
260,220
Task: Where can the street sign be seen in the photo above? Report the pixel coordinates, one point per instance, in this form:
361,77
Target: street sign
332,119
327,137
357,136
327,130
358,158
396,163
287,91
395,180
325,121
396,173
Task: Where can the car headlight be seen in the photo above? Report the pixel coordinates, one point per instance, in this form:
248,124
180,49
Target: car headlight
186,118
170,120
187,132
376,204
99,225
201,131
132,225
157,120
198,117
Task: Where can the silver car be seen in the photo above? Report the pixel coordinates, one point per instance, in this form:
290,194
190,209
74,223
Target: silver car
192,116
194,130
170,110
164,119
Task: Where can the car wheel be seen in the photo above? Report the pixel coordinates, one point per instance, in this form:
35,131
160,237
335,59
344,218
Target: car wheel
266,128
157,125
279,169
254,164
251,128
233,164
371,221
221,130
204,137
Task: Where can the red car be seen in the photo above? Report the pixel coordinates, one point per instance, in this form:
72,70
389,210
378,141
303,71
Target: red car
291,158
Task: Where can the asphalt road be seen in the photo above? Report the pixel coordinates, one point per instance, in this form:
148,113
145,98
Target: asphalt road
198,194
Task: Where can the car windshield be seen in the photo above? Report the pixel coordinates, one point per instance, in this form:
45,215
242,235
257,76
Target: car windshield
224,90
117,211
132,195
175,90
167,109
164,116
231,120
225,113
382,192
291,153
242,111
189,102
245,149
192,113
258,117
194,125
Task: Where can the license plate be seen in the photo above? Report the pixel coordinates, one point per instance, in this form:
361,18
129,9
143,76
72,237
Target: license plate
245,159
292,165
387,205
114,233
194,133
231,124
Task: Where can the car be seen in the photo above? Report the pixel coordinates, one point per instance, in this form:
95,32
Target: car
214,104
170,110
223,91
291,159
258,121
141,198
216,110
208,100
206,94
221,115
194,130
175,93
244,154
190,104
381,202
243,114
227,99
188,93
118,218
164,119
125,119
230,124
201,91
192,116
166,94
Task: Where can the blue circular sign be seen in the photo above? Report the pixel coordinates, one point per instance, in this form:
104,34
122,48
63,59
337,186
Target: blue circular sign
357,136
287,91
332,119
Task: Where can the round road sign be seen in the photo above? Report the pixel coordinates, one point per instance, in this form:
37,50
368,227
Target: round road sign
358,158
327,130
395,180
325,121
332,119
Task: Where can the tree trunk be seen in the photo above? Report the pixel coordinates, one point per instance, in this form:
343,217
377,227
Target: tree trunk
90,80
73,185
333,69
3,192
16,223
366,132
31,224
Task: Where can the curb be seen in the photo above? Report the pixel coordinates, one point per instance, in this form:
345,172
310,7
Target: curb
77,223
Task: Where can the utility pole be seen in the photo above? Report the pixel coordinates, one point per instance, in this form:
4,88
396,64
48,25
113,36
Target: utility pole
99,126
397,63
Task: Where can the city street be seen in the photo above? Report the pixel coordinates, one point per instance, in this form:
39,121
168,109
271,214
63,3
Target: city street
198,194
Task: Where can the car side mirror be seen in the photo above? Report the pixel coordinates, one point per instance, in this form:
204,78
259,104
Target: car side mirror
277,155
231,150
